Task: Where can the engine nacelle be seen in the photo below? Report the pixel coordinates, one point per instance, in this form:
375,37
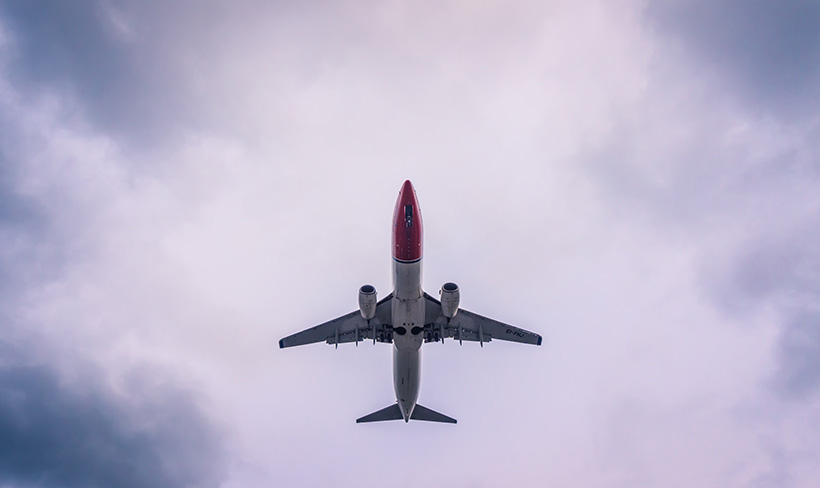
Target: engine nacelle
449,299
367,301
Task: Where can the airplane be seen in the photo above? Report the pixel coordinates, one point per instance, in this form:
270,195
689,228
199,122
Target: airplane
408,317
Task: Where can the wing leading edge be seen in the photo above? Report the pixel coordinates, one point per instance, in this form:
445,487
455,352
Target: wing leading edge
470,326
465,326
351,327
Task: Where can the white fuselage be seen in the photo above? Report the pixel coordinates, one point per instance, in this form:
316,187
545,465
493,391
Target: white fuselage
408,312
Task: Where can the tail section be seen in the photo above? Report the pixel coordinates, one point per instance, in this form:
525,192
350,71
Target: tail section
393,412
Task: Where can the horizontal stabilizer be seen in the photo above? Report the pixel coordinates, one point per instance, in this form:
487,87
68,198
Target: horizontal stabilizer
387,413
394,413
424,413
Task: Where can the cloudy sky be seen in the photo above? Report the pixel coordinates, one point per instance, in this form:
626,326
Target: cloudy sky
182,184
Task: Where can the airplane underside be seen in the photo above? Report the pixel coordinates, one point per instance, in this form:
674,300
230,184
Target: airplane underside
407,318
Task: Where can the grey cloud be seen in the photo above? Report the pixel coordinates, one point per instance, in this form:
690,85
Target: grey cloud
769,51
147,73
15,209
138,89
676,186
778,475
54,434
799,373
22,223
747,214
784,271
30,249
781,266
780,269
72,47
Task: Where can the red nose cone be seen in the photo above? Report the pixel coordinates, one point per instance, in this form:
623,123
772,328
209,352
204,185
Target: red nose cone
407,227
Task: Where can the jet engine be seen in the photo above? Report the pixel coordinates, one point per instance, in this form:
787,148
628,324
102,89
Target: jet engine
449,299
367,301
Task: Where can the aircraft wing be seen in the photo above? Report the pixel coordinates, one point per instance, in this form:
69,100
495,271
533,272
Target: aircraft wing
351,327
470,326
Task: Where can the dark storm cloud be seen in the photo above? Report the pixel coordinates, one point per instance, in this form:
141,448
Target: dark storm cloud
53,434
123,85
769,51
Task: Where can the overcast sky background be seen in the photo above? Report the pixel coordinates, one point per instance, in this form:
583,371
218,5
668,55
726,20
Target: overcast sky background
182,184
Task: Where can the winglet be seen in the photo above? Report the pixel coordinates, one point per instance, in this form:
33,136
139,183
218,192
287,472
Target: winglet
282,343
539,340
